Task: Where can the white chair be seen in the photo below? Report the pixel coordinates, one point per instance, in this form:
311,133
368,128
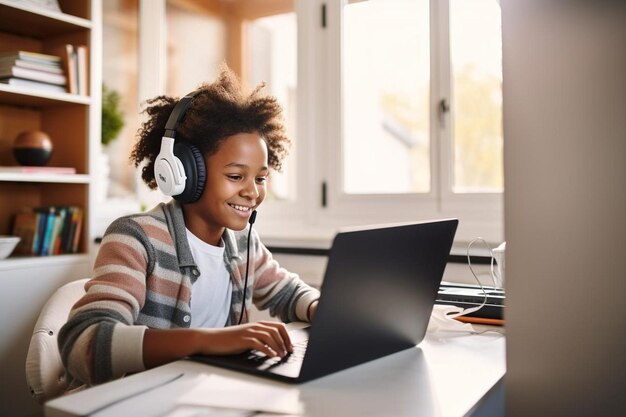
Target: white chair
45,373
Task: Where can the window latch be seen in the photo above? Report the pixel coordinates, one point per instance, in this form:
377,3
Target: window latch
444,107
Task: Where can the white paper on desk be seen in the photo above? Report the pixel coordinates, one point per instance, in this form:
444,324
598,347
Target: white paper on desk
220,391
442,320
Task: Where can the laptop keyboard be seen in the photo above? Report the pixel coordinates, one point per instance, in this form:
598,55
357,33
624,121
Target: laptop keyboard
264,362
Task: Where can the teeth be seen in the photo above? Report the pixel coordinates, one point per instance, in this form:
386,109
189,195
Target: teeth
240,208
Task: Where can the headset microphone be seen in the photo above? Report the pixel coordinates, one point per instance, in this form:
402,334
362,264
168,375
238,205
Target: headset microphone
251,220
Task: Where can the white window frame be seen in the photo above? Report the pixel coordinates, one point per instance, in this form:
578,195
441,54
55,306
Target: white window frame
319,146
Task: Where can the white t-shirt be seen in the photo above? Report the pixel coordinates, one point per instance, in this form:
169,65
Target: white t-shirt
212,291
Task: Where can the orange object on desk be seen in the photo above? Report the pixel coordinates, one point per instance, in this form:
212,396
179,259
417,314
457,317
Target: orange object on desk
481,320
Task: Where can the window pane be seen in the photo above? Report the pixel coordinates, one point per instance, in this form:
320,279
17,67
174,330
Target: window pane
271,56
476,54
385,81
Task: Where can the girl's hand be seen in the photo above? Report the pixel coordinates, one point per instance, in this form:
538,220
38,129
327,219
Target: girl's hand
162,346
268,337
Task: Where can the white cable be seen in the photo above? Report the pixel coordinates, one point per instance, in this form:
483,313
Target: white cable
493,277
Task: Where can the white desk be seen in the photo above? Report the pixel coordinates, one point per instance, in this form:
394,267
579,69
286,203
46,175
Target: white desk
448,374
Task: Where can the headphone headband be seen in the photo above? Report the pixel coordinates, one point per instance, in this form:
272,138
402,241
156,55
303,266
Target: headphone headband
178,113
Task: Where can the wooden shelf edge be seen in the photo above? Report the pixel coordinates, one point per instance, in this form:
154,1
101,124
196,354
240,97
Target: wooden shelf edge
30,97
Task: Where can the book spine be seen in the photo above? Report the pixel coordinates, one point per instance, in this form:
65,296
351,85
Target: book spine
67,228
45,247
55,239
82,66
36,75
52,68
34,85
30,56
71,69
77,230
25,226
42,217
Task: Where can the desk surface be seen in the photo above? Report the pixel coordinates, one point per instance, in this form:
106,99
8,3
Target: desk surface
448,374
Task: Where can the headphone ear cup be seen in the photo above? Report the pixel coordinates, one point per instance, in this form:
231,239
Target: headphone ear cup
193,162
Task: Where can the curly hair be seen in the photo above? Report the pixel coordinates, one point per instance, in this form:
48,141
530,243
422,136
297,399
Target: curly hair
220,110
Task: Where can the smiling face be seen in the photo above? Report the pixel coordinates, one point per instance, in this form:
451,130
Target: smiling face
236,184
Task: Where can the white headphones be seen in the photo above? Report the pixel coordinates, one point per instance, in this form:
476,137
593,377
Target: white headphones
168,170
179,168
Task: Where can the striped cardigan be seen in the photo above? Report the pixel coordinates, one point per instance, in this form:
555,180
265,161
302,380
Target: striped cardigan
143,278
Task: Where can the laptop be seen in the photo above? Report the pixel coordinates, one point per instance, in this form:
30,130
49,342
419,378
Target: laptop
376,299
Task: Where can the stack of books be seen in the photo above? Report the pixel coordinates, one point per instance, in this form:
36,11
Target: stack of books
64,72
51,230
33,70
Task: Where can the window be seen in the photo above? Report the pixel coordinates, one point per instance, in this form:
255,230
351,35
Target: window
394,106
386,97
408,117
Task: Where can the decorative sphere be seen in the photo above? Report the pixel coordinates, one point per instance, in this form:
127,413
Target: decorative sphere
32,148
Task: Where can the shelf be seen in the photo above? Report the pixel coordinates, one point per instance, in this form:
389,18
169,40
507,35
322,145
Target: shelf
49,178
27,21
25,97
21,262
71,120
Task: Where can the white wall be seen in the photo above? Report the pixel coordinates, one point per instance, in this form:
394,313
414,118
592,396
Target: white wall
565,206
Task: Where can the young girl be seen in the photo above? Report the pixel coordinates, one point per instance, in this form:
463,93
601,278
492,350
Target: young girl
169,283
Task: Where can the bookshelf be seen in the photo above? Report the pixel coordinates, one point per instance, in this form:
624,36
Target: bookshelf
73,123
71,120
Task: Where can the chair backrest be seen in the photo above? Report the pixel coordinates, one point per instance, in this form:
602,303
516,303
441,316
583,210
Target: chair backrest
45,372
